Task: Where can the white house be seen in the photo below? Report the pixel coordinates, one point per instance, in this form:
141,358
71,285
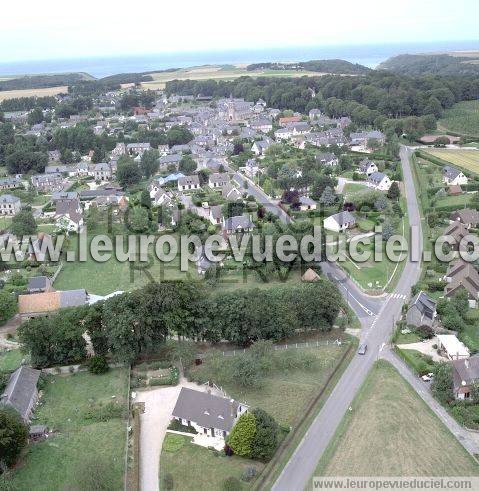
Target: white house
209,415
452,347
453,177
188,183
306,203
379,181
367,167
339,222
218,179
9,205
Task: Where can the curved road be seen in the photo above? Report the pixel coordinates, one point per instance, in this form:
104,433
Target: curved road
377,328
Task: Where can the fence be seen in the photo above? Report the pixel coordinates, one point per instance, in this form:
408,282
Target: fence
57,272
280,347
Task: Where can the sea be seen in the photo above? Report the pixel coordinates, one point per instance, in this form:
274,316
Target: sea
368,55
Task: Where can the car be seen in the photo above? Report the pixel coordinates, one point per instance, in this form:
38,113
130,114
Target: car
362,349
426,378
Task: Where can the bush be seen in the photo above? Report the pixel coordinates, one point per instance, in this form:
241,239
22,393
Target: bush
176,425
249,473
102,413
173,443
98,365
231,484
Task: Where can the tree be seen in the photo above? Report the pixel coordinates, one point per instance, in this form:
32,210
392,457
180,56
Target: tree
394,191
98,364
328,197
35,116
138,219
187,164
178,135
265,441
442,383
149,163
145,199
23,223
13,437
242,435
8,306
128,172
381,203
388,231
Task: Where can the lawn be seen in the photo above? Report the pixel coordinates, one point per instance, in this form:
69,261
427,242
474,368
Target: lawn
79,444
462,118
460,201
352,187
284,393
391,432
10,360
193,467
467,159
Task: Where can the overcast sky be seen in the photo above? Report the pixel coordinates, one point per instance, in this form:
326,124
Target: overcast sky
61,29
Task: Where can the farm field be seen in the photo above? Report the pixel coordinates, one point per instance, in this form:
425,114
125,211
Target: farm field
462,118
422,447
12,94
82,445
216,72
466,159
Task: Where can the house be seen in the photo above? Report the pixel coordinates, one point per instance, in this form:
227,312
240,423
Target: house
259,147
210,415
38,304
230,193
362,138
188,183
306,203
56,169
379,181
465,375
39,284
327,159
215,215
137,148
169,162
45,183
21,392
367,167
292,129
462,275
161,197
101,172
264,125
421,310
64,195
289,119
310,275
467,216
451,347
453,176
10,183
237,225
69,215
9,205
339,222
456,231
218,179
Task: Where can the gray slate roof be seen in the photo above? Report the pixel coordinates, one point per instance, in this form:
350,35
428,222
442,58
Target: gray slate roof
205,409
73,298
20,389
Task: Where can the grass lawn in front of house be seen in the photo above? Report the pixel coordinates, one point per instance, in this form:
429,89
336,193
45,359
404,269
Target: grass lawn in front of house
392,432
10,360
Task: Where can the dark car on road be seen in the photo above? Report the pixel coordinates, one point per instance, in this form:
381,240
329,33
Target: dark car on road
362,349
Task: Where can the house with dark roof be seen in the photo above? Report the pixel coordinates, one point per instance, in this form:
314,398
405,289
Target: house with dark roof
455,233
237,225
421,310
367,167
465,375
379,181
210,415
462,275
467,216
218,179
339,222
188,183
21,392
39,284
9,205
327,159
453,176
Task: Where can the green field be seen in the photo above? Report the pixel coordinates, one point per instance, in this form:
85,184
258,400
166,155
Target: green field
462,118
10,360
79,447
391,432
466,159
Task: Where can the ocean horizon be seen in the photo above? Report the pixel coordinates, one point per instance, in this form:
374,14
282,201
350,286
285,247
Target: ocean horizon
370,55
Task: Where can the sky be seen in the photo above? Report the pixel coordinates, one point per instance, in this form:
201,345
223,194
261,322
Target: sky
33,30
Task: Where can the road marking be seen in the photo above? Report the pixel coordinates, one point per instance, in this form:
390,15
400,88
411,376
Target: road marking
398,296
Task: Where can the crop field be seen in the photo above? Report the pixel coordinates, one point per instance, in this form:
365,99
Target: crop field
12,94
462,118
217,72
467,159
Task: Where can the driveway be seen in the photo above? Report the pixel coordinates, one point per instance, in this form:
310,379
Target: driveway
159,404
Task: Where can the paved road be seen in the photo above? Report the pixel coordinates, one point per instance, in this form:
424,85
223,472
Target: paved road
376,332
270,205
463,435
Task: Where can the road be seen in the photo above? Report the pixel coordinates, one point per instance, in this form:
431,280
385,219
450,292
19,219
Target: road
376,332
260,196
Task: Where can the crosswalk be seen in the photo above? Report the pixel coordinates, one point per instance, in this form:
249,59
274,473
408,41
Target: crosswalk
398,295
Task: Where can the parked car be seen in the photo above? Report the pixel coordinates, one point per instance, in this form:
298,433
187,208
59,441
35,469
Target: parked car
426,378
362,349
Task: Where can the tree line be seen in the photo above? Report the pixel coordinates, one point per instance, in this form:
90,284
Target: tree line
138,322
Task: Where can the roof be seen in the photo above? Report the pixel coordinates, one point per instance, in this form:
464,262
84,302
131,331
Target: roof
73,298
343,217
38,283
9,199
219,177
206,409
465,371
188,180
237,222
452,345
20,389
376,177
467,216
304,200
310,275
425,304
462,274
450,172
39,303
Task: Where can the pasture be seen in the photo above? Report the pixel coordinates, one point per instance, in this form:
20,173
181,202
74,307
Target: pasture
466,159
48,91
390,422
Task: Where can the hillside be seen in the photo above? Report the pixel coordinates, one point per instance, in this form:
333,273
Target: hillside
43,81
435,64
321,66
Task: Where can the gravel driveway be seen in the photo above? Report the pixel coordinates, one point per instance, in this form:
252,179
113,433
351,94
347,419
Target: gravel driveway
159,404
